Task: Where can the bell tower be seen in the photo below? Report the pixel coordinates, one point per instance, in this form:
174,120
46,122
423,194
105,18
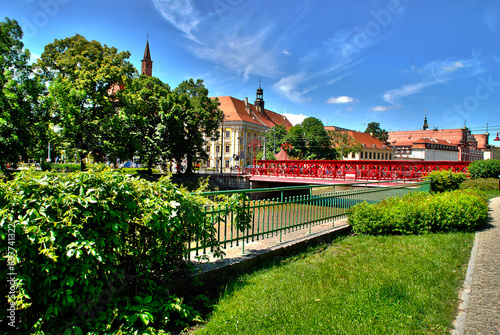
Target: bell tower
259,100
426,125
147,63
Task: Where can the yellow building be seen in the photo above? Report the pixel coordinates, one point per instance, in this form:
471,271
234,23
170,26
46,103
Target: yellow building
243,126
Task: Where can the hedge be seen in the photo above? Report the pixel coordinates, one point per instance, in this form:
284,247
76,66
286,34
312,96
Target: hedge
445,180
484,169
418,213
95,251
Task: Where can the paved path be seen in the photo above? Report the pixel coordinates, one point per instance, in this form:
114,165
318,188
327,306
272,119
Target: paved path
480,307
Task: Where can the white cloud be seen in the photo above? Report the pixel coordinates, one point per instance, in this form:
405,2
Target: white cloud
288,87
436,72
383,108
286,52
181,14
452,67
340,100
294,118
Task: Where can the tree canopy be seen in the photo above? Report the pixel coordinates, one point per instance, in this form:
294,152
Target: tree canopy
80,76
344,143
310,140
23,120
377,132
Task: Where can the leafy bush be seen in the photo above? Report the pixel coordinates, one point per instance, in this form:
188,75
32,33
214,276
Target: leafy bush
96,250
418,213
445,180
65,167
484,169
483,184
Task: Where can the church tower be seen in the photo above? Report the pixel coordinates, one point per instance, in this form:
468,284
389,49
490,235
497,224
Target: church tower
426,125
147,63
259,101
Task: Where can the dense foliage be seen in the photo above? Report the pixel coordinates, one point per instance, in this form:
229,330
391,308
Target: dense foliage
485,169
374,129
417,213
96,251
483,184
310,140
23,119
445,180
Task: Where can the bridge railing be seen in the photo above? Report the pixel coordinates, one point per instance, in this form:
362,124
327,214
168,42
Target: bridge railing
281,210
355,169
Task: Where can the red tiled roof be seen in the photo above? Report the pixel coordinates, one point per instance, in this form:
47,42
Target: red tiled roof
234,110
407,138
431,140
367,140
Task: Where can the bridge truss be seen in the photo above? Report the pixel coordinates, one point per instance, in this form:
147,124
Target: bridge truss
357,169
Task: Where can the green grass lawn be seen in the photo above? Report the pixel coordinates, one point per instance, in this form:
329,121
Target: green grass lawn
358,285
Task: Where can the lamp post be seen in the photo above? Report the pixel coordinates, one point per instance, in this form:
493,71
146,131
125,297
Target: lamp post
255,145
497,138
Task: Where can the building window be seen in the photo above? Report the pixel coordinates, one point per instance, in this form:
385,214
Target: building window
228,133
208,148
390,156
208,163
361,155
378,155
370,155
226,163
227,148
217,149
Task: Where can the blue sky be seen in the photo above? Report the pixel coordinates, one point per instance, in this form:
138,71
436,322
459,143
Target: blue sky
346,62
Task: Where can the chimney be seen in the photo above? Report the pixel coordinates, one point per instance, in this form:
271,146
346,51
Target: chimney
247,107
246,101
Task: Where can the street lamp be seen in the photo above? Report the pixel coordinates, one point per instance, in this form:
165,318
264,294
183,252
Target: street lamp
254,144
497,138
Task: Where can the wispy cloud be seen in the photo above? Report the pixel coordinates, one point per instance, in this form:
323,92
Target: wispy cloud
288,87
340,100
182,14
230,46
383,108
436,72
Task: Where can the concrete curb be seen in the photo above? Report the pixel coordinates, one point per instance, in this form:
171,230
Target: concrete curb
459,323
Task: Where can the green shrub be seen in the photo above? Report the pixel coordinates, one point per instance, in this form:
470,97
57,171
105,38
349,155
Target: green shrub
94,251
65,167
445,180
418,213
483,184
484,169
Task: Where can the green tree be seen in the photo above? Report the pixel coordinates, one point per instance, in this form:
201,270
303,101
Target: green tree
377,132
200,120
81,75
153,117
23,120
344,143
273,139
310,140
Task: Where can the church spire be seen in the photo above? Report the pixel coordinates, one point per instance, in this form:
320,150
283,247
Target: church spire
426,125
147,63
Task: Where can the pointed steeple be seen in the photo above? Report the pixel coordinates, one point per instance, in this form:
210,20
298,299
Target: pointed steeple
426,125
147,63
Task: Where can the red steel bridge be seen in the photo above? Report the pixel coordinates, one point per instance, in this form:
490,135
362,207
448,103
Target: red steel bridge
349,170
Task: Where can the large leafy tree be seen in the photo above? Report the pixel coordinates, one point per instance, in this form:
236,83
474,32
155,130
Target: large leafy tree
81,75
310,140
200,118
154,119
374,129
23,121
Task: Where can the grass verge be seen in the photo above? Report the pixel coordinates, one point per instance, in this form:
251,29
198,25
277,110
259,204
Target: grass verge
360,285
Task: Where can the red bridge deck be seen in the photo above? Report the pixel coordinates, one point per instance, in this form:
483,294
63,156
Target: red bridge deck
276,170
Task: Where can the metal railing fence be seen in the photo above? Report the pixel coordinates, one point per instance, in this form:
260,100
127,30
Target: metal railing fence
280,210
